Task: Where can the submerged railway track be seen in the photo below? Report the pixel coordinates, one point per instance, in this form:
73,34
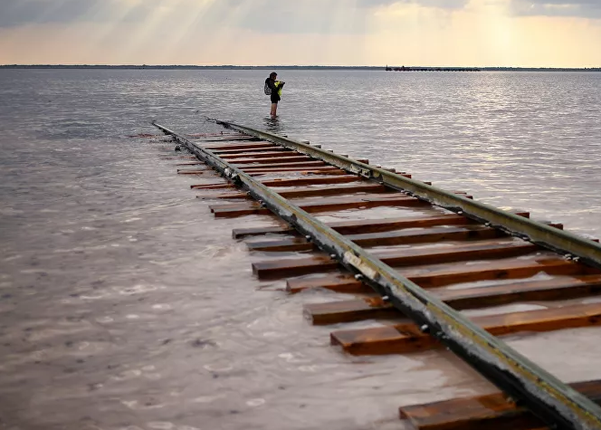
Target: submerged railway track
397,268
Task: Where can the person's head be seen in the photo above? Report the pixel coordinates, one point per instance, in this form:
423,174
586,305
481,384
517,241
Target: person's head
273,75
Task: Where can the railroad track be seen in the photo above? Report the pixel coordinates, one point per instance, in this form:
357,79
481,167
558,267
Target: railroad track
408,269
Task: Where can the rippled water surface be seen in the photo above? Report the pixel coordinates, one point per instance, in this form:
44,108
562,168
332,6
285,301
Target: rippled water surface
125,305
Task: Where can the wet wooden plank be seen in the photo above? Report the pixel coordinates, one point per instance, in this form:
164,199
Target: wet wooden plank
308,171
300,164
409,338
257,154
313,192
263,149
349,310
447,274
442,275
225,185
497,295
481,297
427,235
285,169
333,191
481,250
294,244
339,282
486,412
214,140
238,233
295,182
370,225
318,171
220,136
249,145
324,205
235,195
293,267
229,148
376,225
225,140
271,160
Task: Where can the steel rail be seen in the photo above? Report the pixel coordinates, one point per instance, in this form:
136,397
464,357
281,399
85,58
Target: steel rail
575,247
554,402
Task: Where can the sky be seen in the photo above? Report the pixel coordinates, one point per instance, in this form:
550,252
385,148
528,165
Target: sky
477,33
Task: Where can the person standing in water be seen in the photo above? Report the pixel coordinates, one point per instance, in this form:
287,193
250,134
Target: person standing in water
273,88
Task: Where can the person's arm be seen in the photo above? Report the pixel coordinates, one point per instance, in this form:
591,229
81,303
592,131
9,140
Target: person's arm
271,84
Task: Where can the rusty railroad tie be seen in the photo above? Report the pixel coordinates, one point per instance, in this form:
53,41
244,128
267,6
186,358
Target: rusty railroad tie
426,249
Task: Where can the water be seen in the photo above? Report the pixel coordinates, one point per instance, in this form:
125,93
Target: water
125,305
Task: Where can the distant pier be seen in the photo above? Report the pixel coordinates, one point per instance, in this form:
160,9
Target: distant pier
431,69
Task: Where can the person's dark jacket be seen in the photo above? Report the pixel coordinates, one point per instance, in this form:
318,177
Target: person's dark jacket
275,97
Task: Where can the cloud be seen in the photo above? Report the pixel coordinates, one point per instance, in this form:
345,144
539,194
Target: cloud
560,8
310,16
15,13
438,4
297,17
265,16
19,12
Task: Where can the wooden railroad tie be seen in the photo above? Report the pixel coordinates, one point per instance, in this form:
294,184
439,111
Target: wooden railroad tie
406,337
488,412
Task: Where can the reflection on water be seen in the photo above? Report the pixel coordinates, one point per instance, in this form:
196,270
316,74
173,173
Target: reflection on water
272,125
125,305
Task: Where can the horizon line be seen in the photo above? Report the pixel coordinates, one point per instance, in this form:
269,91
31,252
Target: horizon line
235,66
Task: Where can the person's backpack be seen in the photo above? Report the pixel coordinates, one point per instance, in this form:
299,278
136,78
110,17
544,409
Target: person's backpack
267,89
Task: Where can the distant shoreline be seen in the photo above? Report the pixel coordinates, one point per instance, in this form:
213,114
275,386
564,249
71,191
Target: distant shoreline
233,67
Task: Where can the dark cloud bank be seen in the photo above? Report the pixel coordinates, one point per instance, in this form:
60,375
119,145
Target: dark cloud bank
21,12
566,8
268,15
